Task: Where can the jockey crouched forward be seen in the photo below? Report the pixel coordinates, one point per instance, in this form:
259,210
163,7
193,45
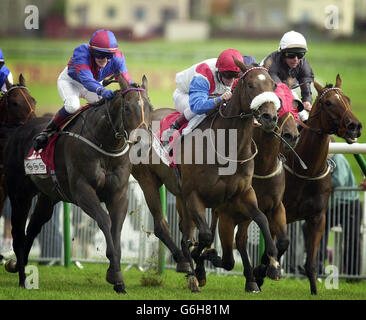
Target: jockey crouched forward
197,85
88,67
5,74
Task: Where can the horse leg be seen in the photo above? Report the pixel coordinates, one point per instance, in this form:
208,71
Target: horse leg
150,186
42,213
249,204
117,208
197,210
314,229
20,206
278,228
186,227
87,199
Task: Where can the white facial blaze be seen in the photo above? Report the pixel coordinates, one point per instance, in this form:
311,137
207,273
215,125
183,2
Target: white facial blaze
261,77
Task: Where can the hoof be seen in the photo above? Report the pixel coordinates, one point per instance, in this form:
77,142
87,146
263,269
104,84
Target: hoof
120,288
274,272
259,272
201,277
11,266
193,284
252,287
202,282
114,277
183,267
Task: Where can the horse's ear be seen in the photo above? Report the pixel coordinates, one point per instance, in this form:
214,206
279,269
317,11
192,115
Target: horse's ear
22,80
240,64
144,82
338,81
318,87
267,63
122,83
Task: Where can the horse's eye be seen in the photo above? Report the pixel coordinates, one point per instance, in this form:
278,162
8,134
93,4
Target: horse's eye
250,85
328,103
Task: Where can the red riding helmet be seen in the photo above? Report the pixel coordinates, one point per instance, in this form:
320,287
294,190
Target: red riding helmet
225,61
103,41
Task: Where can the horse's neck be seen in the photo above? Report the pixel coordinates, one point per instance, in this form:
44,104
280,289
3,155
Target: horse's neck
103,130
268,149
244,126
313,149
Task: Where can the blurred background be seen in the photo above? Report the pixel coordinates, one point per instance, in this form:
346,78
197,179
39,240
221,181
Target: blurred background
161,37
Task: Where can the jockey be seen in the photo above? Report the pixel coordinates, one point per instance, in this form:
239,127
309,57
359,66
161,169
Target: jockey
4,73
82,78
197,84
288,65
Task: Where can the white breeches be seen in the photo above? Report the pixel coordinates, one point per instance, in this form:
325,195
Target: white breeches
10,79
181,102
71,91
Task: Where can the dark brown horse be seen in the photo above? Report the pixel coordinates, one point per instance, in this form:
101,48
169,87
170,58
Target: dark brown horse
307,191
17,106
269,185
92,165
201,185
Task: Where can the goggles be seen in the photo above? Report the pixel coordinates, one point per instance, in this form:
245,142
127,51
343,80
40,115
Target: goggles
229,74
102,55
291,55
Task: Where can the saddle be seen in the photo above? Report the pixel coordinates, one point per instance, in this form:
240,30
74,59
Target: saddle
42,162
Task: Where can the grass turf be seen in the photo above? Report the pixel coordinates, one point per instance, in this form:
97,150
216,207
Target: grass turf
60,283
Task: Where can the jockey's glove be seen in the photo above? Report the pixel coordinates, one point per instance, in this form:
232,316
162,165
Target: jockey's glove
107,94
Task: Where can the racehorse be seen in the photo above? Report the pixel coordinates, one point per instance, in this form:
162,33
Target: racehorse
200,186
269,185
17,106
307,191
91,166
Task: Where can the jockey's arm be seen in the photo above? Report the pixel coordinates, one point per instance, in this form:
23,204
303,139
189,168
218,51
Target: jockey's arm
199,100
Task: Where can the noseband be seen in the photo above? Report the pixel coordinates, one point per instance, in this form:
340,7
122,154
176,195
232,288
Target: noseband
6,94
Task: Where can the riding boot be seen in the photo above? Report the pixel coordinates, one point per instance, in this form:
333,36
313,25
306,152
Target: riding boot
176,125
41,140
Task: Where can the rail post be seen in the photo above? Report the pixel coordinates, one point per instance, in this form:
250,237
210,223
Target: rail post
161,258
67,235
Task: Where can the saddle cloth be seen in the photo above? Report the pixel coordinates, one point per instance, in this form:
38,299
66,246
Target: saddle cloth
43,161
168,153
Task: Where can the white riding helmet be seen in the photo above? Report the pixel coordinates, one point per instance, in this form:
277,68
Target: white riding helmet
292,39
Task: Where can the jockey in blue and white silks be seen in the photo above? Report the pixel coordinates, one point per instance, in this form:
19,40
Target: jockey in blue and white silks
4,73
197,85
89,65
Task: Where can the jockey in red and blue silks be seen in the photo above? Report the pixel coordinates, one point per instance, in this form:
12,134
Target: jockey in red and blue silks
89,65
197,84
4,73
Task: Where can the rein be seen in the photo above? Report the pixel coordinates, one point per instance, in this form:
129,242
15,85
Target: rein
117,134
242,115
341,130
320,131
31,110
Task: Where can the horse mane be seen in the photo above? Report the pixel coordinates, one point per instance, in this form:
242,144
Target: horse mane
328,85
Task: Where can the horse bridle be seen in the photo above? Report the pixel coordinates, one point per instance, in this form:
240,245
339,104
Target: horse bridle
341,131
6,94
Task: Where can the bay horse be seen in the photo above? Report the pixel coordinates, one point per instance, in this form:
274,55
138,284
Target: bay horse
92,165
17,106
200,186
269,186
307,191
